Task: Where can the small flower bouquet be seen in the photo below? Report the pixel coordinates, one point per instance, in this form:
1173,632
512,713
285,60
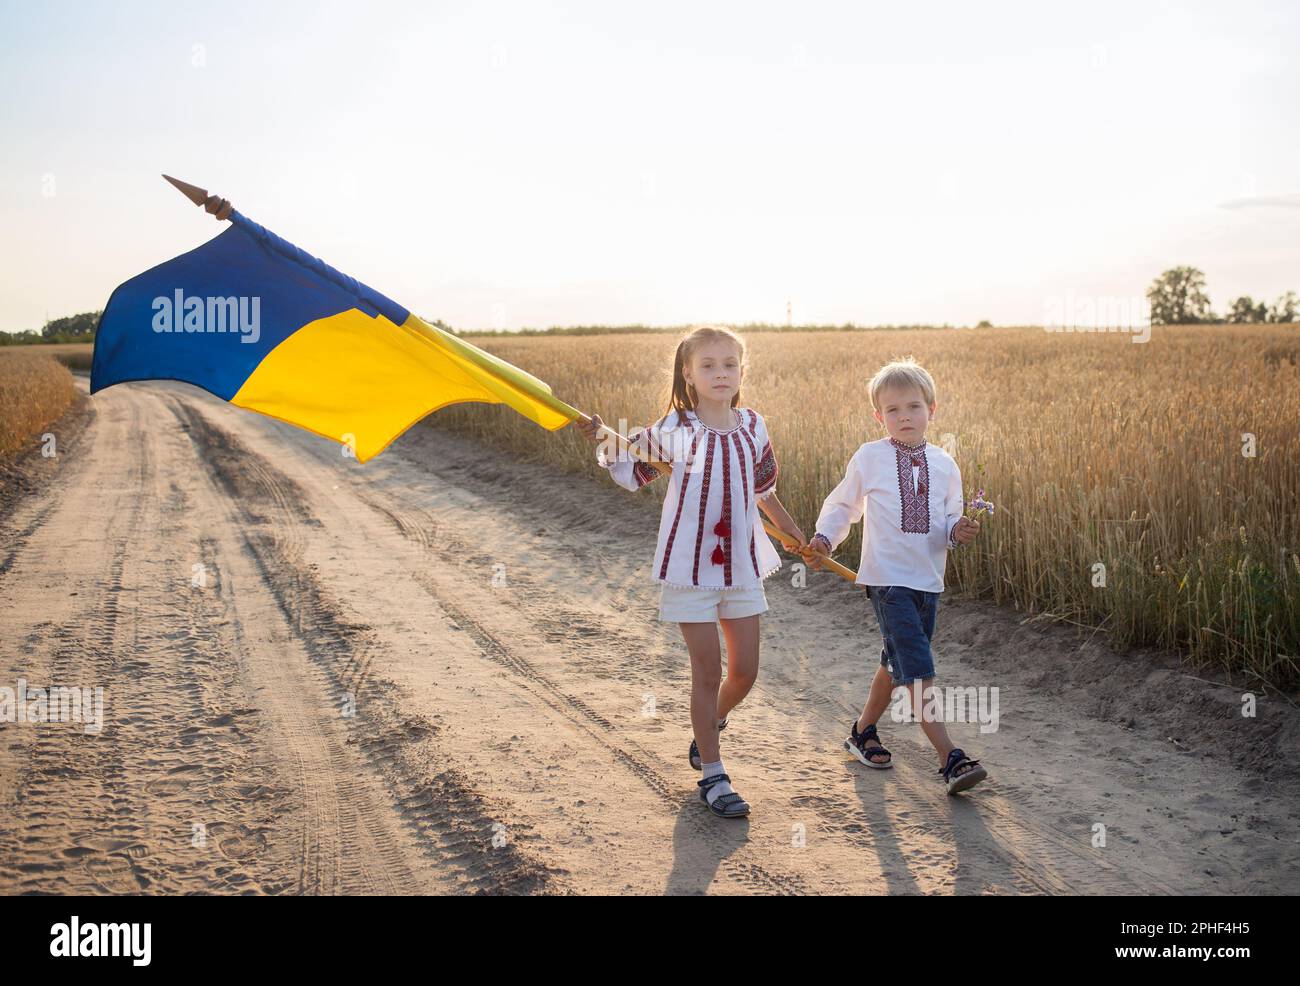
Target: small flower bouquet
978,505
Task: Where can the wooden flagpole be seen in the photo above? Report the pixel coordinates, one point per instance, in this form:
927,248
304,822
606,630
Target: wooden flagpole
221,209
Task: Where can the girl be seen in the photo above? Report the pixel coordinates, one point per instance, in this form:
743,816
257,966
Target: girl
713,553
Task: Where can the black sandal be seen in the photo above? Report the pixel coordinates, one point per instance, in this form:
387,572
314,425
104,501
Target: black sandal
857,745
724,805
961,772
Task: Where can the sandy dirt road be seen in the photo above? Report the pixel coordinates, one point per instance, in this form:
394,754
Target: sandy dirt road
441,673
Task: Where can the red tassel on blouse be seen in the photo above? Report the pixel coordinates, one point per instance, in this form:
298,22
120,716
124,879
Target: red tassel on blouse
723,530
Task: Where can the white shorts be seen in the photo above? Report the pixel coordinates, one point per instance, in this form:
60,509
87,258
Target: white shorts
678,605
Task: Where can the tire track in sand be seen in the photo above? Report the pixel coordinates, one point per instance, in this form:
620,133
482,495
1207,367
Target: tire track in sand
753,875
453,820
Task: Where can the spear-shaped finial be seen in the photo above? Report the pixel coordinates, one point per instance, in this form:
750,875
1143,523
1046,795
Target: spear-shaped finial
217,206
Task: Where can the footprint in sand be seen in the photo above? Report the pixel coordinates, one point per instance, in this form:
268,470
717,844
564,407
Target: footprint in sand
117,873
237,842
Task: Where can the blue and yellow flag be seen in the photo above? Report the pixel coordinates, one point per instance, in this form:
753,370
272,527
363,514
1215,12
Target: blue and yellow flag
254,320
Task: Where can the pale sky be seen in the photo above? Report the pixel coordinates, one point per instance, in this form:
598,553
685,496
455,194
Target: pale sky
536,164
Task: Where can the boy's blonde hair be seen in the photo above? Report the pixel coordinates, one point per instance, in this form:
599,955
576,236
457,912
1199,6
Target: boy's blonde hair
902,373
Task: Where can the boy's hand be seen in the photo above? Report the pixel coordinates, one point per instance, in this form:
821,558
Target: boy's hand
813,553
965,530
591,429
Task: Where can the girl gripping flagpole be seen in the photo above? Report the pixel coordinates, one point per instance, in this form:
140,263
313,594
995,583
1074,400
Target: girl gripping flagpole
713,553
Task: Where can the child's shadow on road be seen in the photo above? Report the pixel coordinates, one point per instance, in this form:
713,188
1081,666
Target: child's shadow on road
981,865
702,843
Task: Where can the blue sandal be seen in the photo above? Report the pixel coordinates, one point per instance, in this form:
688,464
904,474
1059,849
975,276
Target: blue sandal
724,805
961,772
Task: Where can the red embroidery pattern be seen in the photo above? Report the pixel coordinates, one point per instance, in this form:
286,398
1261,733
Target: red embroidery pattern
704,501
652,447
753,449
644,473
745,466
681,500
735,416
915,499
643,439
648,441
726,506
765,471
753,421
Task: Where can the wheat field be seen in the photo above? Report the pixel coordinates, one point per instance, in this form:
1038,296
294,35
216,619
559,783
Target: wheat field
35,390
1147,491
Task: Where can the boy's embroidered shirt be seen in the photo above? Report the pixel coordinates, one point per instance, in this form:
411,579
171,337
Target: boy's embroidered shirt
710,532
911,499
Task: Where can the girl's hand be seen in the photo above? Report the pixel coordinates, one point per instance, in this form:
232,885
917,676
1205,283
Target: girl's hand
801,541
590,429
965,530
813,553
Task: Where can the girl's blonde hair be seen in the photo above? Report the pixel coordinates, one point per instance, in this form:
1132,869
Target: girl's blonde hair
683,397
902,373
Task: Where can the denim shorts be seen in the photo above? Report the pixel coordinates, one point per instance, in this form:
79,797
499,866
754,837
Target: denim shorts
906,618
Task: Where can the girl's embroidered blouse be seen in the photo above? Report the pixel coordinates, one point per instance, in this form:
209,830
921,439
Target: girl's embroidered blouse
912,500
710,533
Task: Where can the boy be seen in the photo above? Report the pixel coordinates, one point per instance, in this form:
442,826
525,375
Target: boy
911,494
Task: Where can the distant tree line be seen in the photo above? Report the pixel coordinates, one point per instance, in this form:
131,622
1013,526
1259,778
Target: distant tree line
1178,298
70,328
